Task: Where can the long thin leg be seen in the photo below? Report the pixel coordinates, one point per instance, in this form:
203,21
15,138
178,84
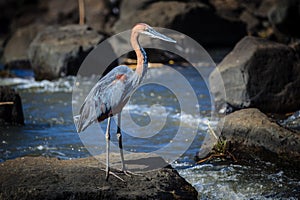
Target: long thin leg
119,135
107,136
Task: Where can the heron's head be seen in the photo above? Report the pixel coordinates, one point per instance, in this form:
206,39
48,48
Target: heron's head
148,30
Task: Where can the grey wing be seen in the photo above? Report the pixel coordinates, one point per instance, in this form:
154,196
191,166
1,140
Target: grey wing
103,97
87,114
88,110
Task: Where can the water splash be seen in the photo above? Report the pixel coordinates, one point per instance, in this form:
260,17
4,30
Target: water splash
257,181
30,85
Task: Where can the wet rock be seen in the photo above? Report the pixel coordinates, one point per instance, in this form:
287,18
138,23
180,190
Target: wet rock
50,178
16,50
11,111
181,16
250,128
59,51
259,73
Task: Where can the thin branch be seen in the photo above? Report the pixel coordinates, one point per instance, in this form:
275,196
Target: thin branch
6,103
81,12
211,131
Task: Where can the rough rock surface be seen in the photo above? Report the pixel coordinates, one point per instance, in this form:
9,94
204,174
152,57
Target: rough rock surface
59,51
262,74
251,128
11,111
16,50
50,178
181,16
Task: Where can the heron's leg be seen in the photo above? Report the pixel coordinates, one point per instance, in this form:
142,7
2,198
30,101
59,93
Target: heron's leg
119,135
107,136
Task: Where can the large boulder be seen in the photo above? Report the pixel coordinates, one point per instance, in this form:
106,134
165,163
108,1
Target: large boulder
16,50
11,111
259,73
50,178
195,19
251,128
59,51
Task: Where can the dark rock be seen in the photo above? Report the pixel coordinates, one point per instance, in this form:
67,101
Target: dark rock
8,10
101,15
296,47
50,178
24,13
229,9
16,14
59,12
16,50
249,128
11,111
2,40
59,51
98,14
251,21
253,13
285,17
181,16
259,73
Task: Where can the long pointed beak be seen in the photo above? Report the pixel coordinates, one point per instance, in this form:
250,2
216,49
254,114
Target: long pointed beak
154,34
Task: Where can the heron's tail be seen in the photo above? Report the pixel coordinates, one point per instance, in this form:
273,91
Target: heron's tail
81,123
86,117
77,124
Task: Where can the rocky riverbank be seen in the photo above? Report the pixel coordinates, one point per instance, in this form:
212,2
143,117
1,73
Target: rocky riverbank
253,135
260,75
27,28
50,178
261,79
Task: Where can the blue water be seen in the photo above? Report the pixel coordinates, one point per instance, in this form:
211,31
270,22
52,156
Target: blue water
50,131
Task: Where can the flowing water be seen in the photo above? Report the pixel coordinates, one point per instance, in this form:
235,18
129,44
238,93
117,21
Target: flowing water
50,131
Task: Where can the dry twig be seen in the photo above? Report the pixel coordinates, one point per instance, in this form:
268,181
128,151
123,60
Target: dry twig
6,103
81,12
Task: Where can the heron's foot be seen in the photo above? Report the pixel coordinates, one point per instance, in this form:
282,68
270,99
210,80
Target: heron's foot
112,173
129,173
118,177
